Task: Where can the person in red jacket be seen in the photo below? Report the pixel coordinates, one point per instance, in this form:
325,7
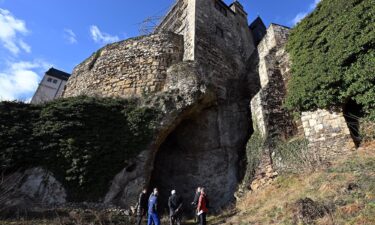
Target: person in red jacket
202,209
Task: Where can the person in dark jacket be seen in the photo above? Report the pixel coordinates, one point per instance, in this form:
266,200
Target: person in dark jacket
202,207
195,203
196,197
153,217
141,206
175,208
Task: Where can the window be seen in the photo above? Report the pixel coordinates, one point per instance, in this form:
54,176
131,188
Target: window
49,79
219,32
55,81
219,6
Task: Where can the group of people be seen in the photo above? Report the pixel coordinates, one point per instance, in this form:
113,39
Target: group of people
149,206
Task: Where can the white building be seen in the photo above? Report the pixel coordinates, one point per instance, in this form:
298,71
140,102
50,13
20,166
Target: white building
51,87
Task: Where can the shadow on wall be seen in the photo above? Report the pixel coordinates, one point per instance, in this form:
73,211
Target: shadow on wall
353,112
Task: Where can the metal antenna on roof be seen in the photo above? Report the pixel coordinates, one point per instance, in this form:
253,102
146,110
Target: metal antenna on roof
148,25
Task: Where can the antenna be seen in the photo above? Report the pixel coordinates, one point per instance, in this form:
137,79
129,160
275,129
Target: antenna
148,25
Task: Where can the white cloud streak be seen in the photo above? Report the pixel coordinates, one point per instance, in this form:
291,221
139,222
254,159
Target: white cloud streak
300,16
20,79
11,29
100,37
70,36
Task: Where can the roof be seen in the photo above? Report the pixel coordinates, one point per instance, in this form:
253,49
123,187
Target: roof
258,29
258,22
58,74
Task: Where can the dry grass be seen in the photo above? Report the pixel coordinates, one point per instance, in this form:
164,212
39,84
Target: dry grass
347,188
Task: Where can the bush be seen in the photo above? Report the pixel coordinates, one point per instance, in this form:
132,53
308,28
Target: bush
294,156
254,149
84,141
333,55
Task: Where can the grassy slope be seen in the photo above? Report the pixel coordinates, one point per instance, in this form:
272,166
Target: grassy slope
275,203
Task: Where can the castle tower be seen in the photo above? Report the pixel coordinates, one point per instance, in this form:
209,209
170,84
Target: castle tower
207,23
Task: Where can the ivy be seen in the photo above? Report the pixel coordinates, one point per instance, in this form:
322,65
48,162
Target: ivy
333,55
84,141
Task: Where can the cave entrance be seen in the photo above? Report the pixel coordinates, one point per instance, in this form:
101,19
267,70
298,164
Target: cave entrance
201,151
353,112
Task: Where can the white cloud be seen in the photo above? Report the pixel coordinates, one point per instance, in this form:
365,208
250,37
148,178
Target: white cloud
70,36
11,29
100,37
20,79
302,15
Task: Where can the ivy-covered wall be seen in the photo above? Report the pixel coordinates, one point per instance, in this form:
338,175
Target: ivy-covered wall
333,55
84,141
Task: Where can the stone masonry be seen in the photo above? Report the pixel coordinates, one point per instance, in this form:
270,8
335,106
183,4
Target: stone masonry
327,132
127,69
271,119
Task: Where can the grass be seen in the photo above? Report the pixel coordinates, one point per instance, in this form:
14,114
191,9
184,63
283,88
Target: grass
347,188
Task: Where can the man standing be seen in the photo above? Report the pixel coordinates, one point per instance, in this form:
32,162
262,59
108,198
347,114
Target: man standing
175,207
196,197
195,203
153,217
202,207
141,206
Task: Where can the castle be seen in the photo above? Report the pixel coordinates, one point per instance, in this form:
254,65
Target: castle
223,72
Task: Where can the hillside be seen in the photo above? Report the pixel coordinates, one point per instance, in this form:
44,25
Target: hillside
341,193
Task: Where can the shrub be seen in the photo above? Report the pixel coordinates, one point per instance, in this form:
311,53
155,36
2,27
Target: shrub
254,149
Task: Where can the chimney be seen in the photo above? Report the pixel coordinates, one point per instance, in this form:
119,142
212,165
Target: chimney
238,8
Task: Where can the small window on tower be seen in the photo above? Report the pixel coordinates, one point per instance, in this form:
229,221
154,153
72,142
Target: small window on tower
219,6
55,81
49,80
219,32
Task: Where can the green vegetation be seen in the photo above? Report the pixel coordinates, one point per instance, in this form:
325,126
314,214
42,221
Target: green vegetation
333,55
84,141
254,149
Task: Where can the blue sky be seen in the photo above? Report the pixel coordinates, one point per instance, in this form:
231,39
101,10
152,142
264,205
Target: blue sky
38,34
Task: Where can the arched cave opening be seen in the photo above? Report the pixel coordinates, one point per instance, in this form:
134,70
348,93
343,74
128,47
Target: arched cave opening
352,113
203,150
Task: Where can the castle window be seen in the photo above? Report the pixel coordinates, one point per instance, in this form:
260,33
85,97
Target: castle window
219,32
55,81
219,6
49,79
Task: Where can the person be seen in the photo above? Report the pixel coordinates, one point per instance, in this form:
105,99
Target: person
196,197
202,207
175,208
153,217
195,203
141,206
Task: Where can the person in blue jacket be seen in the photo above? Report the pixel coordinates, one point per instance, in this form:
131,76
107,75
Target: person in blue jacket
153,217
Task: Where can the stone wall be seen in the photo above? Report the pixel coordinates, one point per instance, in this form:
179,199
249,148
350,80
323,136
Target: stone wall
328,133
128,68
224,45
181,20
271,119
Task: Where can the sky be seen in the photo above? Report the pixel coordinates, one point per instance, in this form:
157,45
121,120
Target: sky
38,34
